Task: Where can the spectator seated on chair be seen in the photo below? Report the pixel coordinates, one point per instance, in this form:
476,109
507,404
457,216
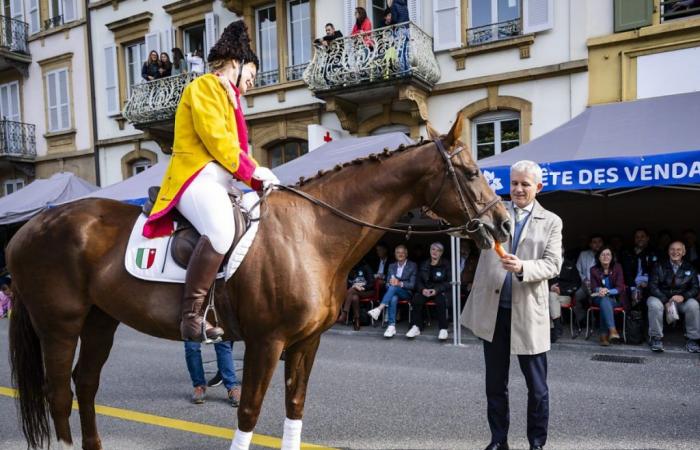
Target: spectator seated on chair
360,285
381,264
608,292
637,264
561,291
431,285
586,260
5,300
674,281
400,284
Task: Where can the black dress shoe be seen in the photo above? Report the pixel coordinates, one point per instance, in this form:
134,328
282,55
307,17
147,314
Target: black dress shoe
537,447
497,446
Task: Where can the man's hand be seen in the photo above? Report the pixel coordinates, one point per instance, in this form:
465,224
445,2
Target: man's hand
555,288
677,299
358,287
512,263
394,281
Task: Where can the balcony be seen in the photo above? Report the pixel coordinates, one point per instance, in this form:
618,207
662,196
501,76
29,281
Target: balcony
14,50
151,107
679,9
17,141
494,32
53,22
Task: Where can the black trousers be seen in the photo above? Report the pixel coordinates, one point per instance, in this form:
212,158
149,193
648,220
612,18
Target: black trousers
534,368
418,303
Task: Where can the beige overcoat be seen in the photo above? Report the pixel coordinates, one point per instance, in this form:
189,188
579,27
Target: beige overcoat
540,251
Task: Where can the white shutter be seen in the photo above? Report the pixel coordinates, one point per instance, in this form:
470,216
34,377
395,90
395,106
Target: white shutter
64,99
211,25
152,43
168,42
538,15
447,24
350,6
33,16
69,11
415,11
14,111
53,100
111,81
16,10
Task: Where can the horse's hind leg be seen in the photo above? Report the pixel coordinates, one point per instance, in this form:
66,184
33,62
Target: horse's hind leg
95,344
297,368
258,366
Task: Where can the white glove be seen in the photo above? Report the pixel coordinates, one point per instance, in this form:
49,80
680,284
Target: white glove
266,176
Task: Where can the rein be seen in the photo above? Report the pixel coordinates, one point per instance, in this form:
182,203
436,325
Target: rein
465,201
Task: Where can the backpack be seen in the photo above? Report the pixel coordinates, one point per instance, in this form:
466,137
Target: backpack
635,327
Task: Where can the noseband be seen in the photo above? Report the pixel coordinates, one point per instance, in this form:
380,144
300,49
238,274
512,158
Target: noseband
465,198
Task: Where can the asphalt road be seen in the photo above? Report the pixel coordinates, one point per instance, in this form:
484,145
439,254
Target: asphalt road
368,393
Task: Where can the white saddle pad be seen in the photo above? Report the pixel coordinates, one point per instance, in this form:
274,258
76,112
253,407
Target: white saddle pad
150,259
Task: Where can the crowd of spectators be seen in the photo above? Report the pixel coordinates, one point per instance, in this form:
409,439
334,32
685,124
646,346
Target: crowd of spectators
157,67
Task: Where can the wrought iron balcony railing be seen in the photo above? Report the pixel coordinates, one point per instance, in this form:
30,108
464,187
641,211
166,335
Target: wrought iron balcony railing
53,22
393,52
267,78
678,9
296,72
494,32
13,35
157,100
17,139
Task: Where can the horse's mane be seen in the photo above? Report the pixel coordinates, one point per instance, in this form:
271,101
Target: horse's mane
372,157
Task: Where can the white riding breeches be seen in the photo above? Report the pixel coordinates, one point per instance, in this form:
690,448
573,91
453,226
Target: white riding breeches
205,203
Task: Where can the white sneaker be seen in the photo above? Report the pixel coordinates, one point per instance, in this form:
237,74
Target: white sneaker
413,332
374,313
390,331
442,335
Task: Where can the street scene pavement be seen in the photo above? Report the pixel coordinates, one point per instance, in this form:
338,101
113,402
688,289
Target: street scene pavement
366,392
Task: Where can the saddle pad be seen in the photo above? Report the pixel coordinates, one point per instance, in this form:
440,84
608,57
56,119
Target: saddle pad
150,259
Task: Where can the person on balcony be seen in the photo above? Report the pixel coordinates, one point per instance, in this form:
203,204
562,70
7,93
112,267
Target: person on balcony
363,26
151,67
331,35
208,154
399,11
179,64
196,62
608,292
166,67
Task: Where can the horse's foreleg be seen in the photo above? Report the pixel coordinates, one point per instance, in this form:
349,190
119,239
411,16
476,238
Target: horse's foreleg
297,368
96,340
258,366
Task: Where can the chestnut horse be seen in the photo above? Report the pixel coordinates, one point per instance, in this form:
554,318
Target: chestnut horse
70,283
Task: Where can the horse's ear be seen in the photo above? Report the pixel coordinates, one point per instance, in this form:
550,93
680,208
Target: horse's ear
432,133
456,131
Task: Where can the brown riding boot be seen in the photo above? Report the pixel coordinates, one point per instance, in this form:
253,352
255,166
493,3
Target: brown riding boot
201,274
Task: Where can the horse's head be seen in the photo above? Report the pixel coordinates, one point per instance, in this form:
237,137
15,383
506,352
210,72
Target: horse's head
461,195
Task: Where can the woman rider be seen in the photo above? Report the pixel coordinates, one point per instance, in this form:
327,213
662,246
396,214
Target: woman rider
209,151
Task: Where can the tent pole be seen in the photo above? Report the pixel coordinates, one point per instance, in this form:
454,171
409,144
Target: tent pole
458,297
455,276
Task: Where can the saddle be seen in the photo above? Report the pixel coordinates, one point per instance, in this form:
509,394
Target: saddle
185,236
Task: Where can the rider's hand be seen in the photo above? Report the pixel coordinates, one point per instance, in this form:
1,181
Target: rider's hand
265,175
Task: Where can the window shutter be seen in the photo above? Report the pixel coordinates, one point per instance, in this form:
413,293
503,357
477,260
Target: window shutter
14,111
111,83
349,6
152,43
64,99
632,14
53,100
34,16
168,42
415,12
538,15
211,24
16,10
447,24
69,11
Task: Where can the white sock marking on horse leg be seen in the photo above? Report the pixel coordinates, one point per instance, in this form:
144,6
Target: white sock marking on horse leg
291,438
65,445
241,440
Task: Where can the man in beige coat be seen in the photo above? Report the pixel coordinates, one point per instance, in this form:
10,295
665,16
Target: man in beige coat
508,307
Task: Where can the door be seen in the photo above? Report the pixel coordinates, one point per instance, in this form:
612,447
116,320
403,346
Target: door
11,129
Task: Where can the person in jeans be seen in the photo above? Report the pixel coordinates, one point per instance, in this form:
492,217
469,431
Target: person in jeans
224,362
561,289
674,280
586,260
607,292
432,283
400,283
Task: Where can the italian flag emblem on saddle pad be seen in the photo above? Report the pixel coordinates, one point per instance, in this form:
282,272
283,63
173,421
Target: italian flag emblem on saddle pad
145,257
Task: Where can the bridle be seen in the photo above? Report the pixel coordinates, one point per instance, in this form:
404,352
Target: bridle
473,222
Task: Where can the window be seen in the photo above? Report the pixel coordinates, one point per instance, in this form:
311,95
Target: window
58,100
12,186
492,20
60,12
377,13
679,9
194,39
299,34
266,26
140,165
286,151
494,133
9,101
135,57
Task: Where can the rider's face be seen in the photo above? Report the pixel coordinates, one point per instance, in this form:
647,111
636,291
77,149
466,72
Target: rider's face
247,78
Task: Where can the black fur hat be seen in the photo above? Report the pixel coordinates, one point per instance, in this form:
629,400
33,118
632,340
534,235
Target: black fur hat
234,43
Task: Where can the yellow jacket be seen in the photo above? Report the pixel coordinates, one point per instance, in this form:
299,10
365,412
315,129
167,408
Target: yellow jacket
206,129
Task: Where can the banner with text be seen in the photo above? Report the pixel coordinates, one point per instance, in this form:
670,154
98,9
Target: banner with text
608,173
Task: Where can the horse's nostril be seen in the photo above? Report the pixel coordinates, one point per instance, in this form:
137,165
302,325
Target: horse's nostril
505,226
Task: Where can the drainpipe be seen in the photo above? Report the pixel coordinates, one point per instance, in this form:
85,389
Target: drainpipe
93,106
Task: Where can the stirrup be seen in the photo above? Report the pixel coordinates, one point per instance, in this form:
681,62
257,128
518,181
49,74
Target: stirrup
212,308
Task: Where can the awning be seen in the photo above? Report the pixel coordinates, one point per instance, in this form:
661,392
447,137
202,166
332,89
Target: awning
650,142
41,194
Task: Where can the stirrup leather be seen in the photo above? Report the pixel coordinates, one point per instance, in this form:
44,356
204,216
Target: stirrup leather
212,308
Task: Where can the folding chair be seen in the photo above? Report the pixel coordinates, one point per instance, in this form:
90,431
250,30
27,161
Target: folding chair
616,310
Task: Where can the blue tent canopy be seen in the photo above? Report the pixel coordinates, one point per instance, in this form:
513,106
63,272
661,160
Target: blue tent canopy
649,142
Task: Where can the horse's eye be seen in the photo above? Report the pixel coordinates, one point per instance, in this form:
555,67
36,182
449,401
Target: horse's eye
472,174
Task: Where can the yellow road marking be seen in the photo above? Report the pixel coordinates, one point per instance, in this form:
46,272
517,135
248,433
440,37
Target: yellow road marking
177,424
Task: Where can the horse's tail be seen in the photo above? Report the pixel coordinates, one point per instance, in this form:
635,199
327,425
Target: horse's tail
28,375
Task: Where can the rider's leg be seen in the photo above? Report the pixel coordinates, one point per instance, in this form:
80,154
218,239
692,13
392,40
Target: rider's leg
205,203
